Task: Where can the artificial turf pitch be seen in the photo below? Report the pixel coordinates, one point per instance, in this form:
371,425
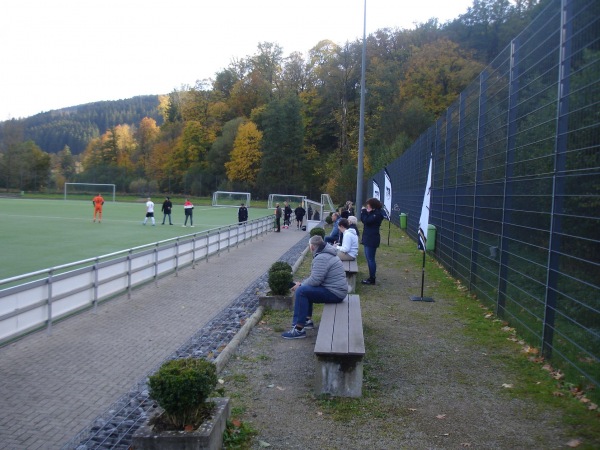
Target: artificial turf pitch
39,234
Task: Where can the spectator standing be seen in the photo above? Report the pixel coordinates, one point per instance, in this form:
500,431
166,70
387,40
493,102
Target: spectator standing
335,231
299,212
167,206
371,217
325,284
310,212
98,202
149,212
277,218
188,209
242,214
348,250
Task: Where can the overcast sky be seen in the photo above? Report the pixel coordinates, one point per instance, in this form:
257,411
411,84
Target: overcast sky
59,53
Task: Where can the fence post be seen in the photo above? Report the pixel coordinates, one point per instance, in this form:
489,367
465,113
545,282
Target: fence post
50,276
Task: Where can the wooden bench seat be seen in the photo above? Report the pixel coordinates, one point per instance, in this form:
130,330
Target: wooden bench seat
339,349
351,268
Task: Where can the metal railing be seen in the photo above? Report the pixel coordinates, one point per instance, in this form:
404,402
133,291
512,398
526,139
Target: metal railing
35,300
515,198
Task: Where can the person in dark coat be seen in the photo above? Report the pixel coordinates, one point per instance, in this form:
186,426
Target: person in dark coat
371,216
299,212
242,213
167,206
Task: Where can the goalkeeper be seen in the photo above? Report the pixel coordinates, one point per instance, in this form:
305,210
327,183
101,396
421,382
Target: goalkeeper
98,201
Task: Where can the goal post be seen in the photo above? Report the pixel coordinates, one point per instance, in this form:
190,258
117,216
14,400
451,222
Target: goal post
224,198
327,202
90,189
281,198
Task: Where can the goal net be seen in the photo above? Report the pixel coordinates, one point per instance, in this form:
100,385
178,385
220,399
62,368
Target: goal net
78,191
224,198
327,203
293,200
314,211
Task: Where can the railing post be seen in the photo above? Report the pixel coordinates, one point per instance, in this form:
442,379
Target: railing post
49,328
129,274
95,300
177,257
156,264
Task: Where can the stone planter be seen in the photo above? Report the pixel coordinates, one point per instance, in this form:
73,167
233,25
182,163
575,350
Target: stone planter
277,302
208,436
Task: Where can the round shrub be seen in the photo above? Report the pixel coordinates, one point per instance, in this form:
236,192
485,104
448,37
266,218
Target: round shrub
280,278
280,265
317,230
181,387
328,220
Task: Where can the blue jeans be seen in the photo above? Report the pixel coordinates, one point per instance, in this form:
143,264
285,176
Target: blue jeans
305,297
370,256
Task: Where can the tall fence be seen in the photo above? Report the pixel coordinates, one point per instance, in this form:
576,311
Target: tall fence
515,198
36,300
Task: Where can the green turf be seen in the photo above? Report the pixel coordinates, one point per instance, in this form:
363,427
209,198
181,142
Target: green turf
38,234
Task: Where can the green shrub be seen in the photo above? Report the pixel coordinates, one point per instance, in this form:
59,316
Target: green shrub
181,387
280,265
328,220
280,278
317,230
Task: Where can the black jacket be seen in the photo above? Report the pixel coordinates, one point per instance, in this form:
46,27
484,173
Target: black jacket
372,222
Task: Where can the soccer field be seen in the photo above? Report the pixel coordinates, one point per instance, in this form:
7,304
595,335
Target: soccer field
38,234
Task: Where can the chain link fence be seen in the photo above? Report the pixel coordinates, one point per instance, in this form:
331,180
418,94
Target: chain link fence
515,198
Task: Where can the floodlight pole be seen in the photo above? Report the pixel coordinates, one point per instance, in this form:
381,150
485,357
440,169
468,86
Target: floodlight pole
361,127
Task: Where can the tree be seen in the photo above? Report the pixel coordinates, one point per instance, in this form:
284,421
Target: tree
282,146
244,163
437,73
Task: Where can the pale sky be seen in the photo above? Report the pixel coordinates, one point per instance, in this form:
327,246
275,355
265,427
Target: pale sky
60,53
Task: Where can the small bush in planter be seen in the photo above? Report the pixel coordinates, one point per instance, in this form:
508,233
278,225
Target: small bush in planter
280,278
181,387
328,220
317,230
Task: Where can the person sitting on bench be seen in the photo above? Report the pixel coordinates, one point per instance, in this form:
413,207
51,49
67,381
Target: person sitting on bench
348,250
325,284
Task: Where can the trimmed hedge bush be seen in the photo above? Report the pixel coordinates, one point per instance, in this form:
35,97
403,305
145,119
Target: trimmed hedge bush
280,278
181,387
317,230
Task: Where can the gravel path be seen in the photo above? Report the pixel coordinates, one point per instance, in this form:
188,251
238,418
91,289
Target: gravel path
426,385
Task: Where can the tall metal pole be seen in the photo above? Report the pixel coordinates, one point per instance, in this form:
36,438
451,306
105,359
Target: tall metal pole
361,127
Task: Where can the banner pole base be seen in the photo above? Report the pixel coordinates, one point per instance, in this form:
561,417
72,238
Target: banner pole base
416,298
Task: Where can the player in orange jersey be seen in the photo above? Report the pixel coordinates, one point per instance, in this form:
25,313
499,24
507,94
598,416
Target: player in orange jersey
98,201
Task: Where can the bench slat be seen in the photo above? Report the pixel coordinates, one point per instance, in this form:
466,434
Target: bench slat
351,266
340,328
323,344
356,346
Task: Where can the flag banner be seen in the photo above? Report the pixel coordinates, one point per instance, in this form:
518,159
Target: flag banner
424,219
387,199
376,192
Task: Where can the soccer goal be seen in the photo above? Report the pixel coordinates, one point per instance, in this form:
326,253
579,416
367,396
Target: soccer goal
89,189
223,198
293,200
327,203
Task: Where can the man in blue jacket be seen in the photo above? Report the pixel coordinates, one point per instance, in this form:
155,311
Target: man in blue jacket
335,232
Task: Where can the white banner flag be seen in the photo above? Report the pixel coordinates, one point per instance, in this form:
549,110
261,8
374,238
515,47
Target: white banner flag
387,199
424,220
376,193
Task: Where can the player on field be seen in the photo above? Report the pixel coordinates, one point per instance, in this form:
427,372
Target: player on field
149,212
98,201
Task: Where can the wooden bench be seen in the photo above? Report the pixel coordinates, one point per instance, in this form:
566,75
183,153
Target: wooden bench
351,268
340,349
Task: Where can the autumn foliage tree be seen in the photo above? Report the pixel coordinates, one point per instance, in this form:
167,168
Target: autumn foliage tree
244,163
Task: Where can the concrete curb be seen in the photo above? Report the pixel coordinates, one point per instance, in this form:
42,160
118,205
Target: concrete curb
239,337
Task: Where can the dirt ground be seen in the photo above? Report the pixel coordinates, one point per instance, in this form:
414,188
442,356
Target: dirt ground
427,385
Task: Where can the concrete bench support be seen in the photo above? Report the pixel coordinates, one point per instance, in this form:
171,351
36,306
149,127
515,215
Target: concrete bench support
351,268
340,349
